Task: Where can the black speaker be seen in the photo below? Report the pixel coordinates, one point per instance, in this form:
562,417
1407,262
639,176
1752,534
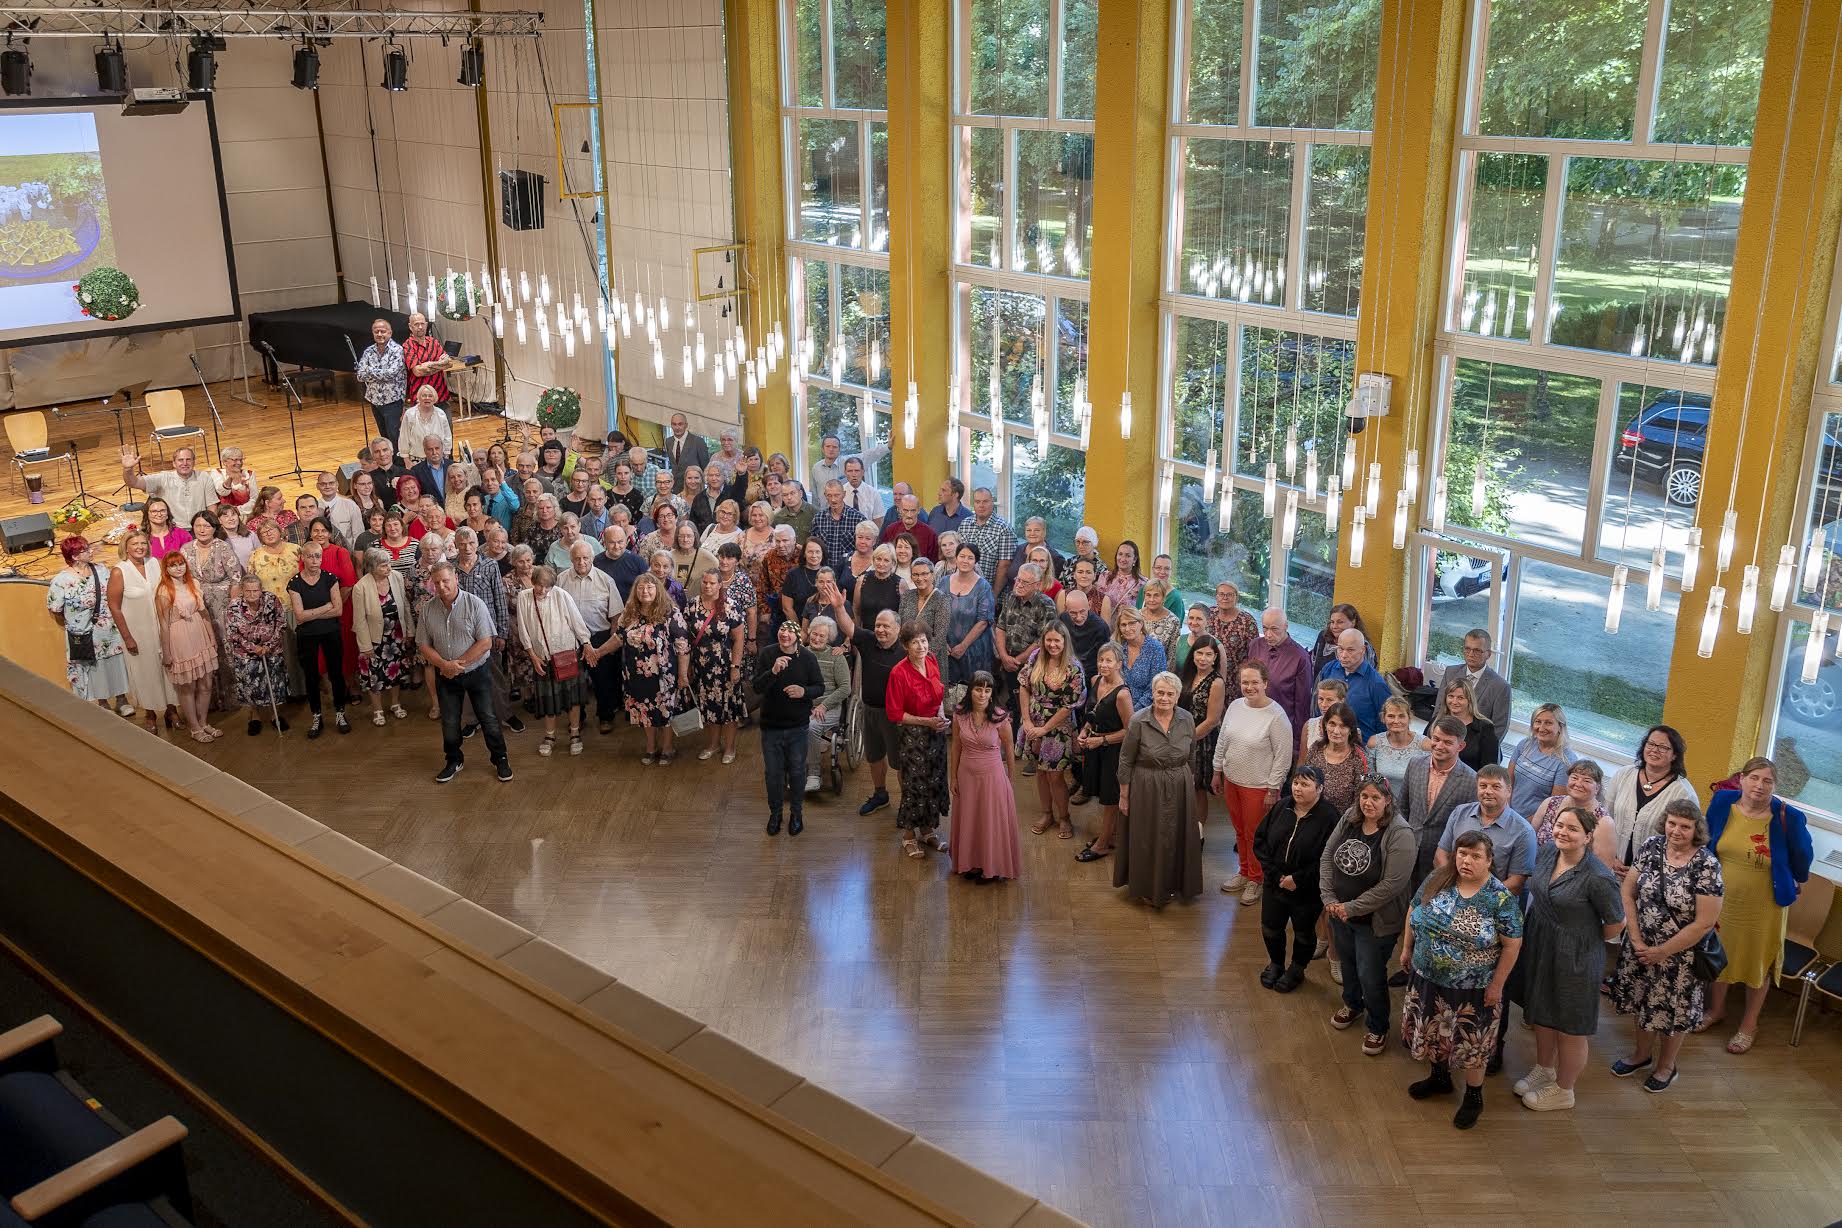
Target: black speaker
521,199
24,532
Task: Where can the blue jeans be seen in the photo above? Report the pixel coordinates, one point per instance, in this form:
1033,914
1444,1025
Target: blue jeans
1364,955
451,694
783,753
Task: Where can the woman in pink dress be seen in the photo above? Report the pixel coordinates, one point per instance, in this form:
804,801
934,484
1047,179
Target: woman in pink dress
983,844
188,645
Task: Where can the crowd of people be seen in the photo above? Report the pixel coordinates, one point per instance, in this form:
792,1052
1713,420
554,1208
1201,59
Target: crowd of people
691,593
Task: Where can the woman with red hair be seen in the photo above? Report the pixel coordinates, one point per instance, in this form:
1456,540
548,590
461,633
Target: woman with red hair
188,645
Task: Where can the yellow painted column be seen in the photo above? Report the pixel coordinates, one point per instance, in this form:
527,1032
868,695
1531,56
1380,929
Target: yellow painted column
1131,92
1781,273
760,207
920,233
1397,321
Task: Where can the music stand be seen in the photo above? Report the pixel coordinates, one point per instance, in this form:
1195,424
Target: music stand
121,439
295,404
76,444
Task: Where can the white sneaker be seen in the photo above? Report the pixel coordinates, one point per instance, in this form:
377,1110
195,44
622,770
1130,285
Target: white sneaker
1234,884
1547,1098
1336,971
1537,1078
1250,894
812,784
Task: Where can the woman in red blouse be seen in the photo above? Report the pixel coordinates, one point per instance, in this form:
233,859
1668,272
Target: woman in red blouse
914,697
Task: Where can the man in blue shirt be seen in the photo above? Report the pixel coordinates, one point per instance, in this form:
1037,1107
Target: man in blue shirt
951,510
623,566
1512,839
502,501
1368,690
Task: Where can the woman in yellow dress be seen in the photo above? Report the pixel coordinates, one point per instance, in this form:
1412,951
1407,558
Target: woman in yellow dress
1763,843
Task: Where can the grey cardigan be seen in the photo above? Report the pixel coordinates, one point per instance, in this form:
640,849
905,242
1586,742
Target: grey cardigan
1385,904
836,671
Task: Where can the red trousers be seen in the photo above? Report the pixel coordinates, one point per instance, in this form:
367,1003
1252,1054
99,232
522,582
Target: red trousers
1246,807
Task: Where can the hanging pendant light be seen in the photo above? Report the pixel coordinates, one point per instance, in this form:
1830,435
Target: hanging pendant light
911,415
699,354
1288,524
665,313
1084,414
608,336
1269,490
1311,476
998,449
1440,497
1477,490
866,419
994,396
689,367
410,295
1749,599
1781,577
1349,462
1400,520
1691,558
543,331
1653,584
518,323
1373,500
1226,516
1813,646
393,294
1710,621
1208,476
876,358
717,377
1615,600
730,362
1729,529
752,386
543,289
1291,449
1358,535
1125,415
1410,475
1813,564
498,321
587,334
377,295
658,361
1166,487
569,342
1333,499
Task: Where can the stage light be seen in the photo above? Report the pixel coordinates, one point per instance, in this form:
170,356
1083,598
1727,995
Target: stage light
306,67
201,67
396,69
472,65
15,71
111,69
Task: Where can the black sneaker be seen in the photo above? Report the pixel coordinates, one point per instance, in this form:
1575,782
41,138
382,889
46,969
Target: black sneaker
1290,979
876,801
340,723
514,724
447,773
1269,975
316,729
773,825
468,730
795,825
504,770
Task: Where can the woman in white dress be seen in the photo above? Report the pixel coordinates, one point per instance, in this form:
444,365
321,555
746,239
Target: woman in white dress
131,604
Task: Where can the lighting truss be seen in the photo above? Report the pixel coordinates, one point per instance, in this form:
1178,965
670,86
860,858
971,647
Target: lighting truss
259,21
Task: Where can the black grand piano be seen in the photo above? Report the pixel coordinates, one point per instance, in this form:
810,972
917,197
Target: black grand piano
315,337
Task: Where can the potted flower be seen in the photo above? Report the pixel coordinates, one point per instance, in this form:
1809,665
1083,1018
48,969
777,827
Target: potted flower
457,299
107,294
559,408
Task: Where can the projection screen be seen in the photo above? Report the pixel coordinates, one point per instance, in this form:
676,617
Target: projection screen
82,187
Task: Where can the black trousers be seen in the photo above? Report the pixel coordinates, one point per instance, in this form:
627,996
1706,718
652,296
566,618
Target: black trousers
604,677
308,649
1302,909
452,694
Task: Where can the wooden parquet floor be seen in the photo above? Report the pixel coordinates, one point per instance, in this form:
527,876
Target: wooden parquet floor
1120,1063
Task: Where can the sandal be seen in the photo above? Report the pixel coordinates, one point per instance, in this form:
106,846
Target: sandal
1091,854
1741,1043
1067,831
1042,825
934,842
377,718
434,714
646,759
547,745
912,849
1709,1023
199,735
399,711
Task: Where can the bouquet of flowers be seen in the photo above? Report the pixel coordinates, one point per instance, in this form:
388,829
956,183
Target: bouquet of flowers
559,408
74,518
107,294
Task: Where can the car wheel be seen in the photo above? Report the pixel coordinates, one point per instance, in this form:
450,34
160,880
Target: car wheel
1813,702
1682,485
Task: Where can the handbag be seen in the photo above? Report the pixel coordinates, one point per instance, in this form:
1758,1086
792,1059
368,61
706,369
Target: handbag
1709,958
564,665
81,645
688,722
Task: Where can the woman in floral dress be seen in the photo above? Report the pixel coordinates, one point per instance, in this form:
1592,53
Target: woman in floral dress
214,565
380,614
254,627
717,632
1053,689
654,663
76,601
1233,628
1122,584
741,593
517,580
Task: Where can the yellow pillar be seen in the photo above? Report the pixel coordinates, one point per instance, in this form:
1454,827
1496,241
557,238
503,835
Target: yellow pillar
1131,92
760,216
1416,95
1789,223
920,233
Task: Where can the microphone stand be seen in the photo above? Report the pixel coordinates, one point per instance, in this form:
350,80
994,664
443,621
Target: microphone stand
76,456
121,438
364,422
216,422
294,404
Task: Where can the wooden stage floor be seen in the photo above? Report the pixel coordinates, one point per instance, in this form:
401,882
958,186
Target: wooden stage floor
1120,1063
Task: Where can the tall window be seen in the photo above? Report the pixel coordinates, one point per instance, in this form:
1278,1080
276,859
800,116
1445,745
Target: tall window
1023,150
1600,169
836,137
1269,175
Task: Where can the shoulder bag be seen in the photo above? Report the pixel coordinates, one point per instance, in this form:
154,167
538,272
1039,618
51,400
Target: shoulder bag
81,645
1708,958
564,665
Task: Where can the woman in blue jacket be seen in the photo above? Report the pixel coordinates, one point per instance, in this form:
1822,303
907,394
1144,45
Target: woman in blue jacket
1763,843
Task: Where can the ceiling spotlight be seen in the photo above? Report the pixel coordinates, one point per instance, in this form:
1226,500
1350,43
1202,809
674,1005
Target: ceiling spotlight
15,71
111,69
201,66
396,68
306,67
473,65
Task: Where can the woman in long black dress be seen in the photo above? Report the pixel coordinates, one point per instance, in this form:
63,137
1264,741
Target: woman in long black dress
1205,699
1100,739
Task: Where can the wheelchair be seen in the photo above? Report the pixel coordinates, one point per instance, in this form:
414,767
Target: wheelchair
843,746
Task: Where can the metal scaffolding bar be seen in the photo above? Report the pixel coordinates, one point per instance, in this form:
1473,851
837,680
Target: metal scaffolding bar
31,20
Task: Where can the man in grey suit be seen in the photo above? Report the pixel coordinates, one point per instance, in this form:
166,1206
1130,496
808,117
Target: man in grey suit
1434,787
683,449
1490,687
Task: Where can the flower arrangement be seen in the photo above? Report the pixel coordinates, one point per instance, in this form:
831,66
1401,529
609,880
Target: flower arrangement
457,299
559,408
107,294
74,518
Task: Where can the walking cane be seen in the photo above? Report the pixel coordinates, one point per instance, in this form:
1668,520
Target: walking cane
268,679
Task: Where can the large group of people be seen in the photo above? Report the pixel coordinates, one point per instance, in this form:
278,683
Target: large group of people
692,593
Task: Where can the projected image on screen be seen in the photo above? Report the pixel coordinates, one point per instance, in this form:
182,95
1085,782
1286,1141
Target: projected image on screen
54,216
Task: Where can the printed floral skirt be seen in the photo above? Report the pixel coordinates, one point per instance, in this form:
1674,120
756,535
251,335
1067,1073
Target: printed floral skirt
1448,1027
921,758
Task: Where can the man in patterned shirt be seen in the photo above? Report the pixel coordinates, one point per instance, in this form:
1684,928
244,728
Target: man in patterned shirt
988,531
385,380
836,526
1022,615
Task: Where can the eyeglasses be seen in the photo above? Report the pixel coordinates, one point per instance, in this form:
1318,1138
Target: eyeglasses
1375,780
